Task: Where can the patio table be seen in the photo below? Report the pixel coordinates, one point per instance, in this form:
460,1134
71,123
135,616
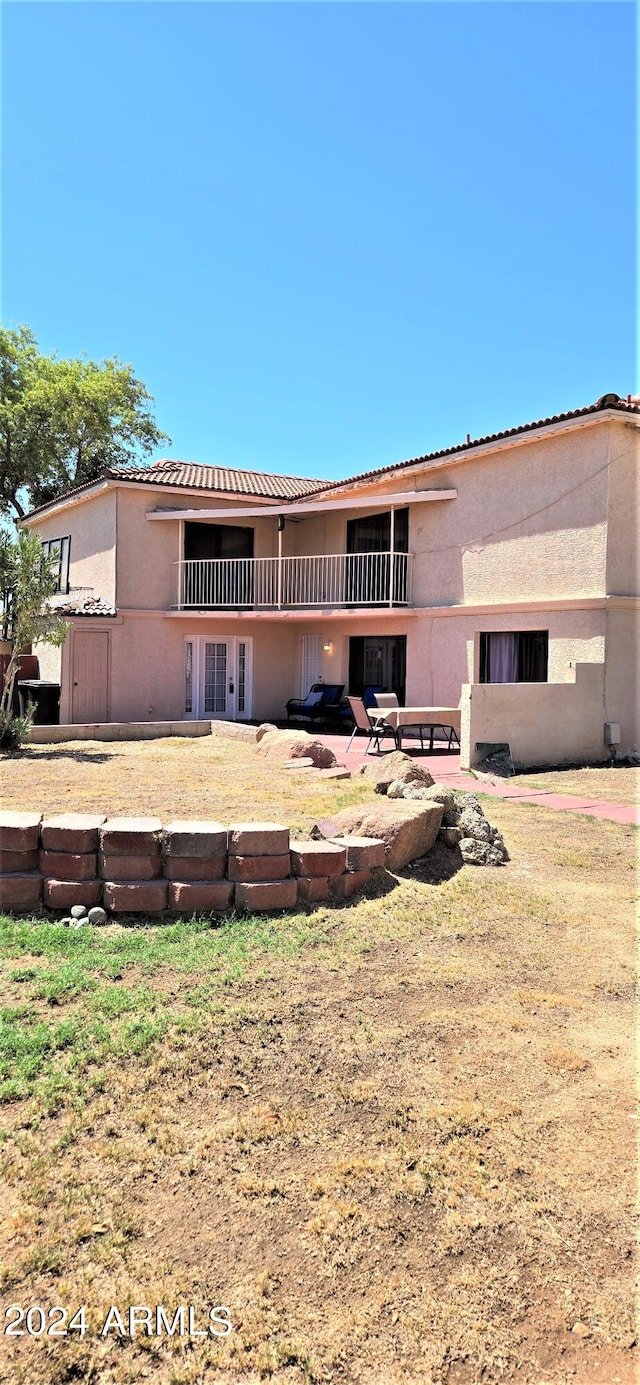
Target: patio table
424,718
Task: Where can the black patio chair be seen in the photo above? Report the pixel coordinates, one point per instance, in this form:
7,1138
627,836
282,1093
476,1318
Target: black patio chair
376,728
321,703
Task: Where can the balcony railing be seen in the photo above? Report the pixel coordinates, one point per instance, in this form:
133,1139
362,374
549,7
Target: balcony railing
336,579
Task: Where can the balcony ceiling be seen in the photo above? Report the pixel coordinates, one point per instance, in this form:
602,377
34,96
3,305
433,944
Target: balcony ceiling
372,503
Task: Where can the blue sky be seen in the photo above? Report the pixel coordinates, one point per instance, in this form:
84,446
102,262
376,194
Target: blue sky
327,235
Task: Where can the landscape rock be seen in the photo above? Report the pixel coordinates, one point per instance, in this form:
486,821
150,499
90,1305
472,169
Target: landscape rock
439,793
474,824
466,825
97,916
295,745
408,830
397,766
478,853
264,728
77,911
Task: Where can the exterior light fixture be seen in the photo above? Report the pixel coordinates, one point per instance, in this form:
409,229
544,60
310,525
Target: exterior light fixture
328,647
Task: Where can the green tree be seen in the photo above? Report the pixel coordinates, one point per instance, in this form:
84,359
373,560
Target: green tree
63,421
28,580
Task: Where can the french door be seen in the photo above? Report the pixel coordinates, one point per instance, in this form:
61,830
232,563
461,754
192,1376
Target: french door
218,678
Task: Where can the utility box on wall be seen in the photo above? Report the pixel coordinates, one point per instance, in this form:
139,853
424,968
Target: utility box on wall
612,733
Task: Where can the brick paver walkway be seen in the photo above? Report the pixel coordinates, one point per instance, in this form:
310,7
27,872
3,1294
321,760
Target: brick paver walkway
445,767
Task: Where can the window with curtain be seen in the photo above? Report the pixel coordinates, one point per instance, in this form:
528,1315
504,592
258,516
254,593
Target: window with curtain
514,656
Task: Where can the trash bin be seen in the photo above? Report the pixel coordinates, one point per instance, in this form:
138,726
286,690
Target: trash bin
45,697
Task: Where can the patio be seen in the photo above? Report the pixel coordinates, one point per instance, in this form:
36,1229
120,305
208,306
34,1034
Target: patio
445,768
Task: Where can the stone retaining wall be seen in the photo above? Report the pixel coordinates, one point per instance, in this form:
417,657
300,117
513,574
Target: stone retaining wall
116,731
135,865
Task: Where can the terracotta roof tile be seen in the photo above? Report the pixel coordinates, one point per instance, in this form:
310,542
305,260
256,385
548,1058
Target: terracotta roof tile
197,476
87,606
288,489
606,401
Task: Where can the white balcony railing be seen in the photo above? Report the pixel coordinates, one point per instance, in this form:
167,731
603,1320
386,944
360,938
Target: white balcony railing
336,579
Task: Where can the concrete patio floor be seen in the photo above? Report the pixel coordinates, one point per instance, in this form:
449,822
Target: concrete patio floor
444,766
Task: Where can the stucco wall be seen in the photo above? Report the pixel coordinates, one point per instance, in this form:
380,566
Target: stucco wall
147,655
534,509
622,680
527,523
544,723
147,665
442,651
623,549
49,661
91,526
147,549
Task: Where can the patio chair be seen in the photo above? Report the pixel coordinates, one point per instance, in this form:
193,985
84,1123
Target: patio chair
320,704
344,718
383,699
376,728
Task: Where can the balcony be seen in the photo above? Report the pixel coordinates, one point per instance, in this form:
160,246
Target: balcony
280,584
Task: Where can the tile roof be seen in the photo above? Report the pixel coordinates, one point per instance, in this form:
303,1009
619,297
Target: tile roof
198,476
606,401
86,606
288,489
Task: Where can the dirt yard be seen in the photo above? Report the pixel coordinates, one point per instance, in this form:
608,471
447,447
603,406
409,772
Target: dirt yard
396,1140
617,784
203,777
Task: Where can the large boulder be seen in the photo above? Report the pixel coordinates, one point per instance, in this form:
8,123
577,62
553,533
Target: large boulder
295,745
408,829
394,767
264,728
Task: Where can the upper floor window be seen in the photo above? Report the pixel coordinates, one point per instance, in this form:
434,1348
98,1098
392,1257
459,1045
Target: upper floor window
372,533
514,656
59,550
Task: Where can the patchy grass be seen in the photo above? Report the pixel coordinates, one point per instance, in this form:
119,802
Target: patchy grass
394,1138
199,777
602,783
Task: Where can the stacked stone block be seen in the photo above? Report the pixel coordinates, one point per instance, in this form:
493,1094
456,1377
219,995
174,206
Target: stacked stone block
20,878
69,860
130,863
260,864
195,864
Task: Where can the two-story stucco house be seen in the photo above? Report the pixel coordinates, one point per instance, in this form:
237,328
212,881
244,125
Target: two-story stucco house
503,572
